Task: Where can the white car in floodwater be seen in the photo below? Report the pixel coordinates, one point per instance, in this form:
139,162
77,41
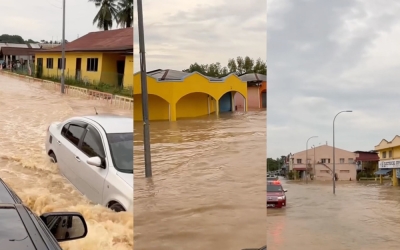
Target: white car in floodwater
95,153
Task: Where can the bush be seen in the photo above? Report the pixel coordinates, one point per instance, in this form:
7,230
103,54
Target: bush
361,175
290,175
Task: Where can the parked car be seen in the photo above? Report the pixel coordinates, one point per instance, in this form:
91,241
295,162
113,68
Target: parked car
95,153
276,197
22,229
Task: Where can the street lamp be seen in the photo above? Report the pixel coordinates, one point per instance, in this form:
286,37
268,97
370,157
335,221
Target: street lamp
307,153
334,169
63,52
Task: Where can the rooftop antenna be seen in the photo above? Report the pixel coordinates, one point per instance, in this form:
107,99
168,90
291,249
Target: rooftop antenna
95,111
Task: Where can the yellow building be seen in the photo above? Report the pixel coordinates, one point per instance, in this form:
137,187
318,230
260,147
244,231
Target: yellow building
389,154
174,94
98,57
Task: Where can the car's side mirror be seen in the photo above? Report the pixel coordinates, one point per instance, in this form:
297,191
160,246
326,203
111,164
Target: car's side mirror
285,190
65,226
95,161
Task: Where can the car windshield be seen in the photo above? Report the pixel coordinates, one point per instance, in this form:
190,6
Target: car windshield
121,146
13,234
274,188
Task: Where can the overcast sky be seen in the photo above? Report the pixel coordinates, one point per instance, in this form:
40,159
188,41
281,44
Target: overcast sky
42,19
179,33
328,56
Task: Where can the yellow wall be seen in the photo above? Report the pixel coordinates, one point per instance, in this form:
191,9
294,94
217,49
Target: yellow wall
70,67
172,91
191,105
395,153
158,106
128,76
107,67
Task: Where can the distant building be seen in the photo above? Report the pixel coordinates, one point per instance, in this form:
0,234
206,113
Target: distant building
11,52
389,154
98,57
320,163
256,92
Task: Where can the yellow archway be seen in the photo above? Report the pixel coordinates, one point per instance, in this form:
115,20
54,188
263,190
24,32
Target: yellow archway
158,108
194,105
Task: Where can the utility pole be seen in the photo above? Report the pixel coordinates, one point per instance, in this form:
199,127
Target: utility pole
306,172
145,101
63,52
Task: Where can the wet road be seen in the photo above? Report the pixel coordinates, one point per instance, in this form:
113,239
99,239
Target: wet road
26,111
208,185
361,216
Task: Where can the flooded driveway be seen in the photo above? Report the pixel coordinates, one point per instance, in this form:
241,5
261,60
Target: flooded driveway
26,111
208,185
361,216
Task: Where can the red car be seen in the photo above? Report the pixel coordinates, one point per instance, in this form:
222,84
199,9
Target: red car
276,197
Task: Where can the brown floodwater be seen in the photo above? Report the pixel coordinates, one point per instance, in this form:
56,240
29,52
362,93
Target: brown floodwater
360,216
208,184
26,111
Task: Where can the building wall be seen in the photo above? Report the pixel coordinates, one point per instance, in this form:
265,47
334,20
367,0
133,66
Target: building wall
70,67
253,97
158,108
128,76
174,91
345,170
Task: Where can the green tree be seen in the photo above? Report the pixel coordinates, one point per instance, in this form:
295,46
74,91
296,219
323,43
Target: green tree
125,13
237,66
107,14
273,165
6,38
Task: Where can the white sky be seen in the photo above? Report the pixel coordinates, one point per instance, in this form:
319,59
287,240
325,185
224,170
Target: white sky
42,19
329,56
179,33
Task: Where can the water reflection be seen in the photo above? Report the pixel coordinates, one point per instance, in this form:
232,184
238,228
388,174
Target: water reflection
208,185
359,216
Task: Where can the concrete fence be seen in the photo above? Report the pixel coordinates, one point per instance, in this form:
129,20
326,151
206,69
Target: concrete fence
121,102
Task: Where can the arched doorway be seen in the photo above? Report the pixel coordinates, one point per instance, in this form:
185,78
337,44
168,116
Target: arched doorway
263,99
195,105
226,103
158,108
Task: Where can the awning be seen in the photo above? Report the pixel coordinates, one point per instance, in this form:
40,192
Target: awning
382,171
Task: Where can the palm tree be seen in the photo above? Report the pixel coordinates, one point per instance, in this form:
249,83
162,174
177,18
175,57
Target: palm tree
125,13
107,13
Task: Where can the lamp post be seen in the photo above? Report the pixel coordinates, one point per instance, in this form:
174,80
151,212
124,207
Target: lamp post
314,159
63,52
334,166
307,153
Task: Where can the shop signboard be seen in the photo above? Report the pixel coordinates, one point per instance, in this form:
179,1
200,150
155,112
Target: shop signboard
389,164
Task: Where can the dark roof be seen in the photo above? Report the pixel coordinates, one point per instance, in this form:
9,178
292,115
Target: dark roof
253,77
18,51
366,152
175,75
108,40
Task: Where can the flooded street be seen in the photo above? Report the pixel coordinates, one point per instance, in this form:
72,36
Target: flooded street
360,216
208,184
26,111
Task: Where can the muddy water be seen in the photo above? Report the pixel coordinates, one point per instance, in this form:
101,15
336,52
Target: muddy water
361,216
26,111
208,185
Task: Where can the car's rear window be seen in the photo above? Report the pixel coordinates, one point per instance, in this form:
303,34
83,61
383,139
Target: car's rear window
13,234
274,188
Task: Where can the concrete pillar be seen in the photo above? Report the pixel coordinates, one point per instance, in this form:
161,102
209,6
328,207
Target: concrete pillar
394,179
172,112
233,104
217,107
208,105
380,179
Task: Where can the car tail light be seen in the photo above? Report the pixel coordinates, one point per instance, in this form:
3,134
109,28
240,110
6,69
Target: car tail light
276,182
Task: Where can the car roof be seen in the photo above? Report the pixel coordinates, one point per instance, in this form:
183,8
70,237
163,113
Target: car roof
7,195
113,123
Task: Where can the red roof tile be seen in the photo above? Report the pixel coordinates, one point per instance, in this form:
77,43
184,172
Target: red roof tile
108,40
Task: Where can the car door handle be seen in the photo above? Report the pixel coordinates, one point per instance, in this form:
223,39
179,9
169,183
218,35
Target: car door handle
59,143
77,158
